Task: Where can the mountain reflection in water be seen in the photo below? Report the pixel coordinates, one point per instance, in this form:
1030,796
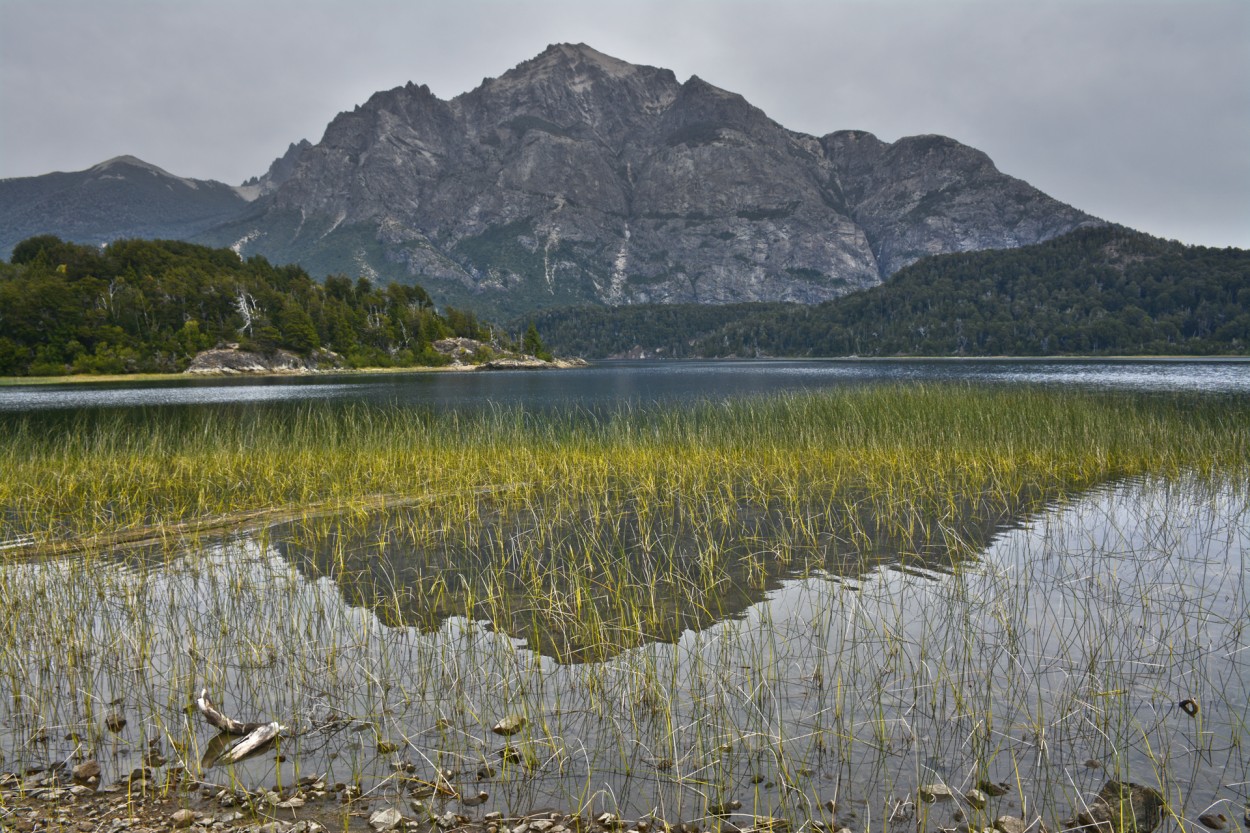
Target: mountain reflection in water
629,580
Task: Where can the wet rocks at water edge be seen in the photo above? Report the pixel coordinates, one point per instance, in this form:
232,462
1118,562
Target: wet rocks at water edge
1010,824
930,793
509,725
388,819
1120,807
87,772
231,360
1214,821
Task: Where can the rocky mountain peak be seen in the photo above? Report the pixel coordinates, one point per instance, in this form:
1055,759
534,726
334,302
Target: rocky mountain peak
280,170
574,87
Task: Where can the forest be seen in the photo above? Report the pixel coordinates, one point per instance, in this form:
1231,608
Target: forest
151,305
1101,291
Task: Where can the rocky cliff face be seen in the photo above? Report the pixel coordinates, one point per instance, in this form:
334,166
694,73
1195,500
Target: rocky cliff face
576,177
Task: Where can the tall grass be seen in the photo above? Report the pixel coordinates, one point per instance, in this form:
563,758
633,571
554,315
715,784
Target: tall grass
105,475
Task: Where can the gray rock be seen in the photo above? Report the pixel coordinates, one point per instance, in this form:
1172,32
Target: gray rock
182,818
231,361
87,770
1010,824
976,799
935,792
387,819
1121,807
509,725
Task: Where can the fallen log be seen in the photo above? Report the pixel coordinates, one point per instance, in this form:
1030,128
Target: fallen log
258,741
252,738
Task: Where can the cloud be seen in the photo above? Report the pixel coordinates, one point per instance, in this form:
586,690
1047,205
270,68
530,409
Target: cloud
1136,111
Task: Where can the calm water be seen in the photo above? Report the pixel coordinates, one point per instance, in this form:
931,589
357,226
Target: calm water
613,383
1053,657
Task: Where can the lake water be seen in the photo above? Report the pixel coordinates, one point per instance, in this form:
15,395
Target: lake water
1064,645
611,384
1059,656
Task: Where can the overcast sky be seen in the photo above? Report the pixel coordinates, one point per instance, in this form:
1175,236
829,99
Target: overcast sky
1138,112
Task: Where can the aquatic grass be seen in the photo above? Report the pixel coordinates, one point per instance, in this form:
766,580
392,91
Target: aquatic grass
117,472
602,576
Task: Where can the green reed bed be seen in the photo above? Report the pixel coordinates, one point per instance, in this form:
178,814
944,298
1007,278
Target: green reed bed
108,474
603,575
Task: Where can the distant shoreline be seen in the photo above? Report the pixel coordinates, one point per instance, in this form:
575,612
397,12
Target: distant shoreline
86,378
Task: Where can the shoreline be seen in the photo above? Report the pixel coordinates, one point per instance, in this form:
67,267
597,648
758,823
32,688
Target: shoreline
564,364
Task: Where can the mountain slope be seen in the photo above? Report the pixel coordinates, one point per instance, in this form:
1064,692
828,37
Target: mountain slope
579,178
122,197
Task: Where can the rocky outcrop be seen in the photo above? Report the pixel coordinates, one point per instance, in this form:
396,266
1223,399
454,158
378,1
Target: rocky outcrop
532,363
233,361
577,177
472,354
279,172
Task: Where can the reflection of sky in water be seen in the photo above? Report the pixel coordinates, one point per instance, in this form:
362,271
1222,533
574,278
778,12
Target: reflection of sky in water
38,398
635,383
1092,620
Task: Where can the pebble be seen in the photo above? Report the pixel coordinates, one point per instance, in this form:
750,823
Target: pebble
976,799
936,792
993,789
87,770
1214,821
387,819
509,725
182,818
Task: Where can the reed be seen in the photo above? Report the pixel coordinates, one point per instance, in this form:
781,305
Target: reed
602,575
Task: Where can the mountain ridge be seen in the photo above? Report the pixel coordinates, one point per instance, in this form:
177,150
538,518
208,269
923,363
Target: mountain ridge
577,177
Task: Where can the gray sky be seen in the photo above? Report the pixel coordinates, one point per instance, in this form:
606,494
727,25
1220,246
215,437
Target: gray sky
1138,112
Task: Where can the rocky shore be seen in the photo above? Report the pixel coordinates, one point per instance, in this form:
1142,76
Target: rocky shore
146,801
461,354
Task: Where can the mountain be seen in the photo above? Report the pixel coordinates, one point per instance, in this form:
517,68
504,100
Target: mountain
576,178
579,178
122,197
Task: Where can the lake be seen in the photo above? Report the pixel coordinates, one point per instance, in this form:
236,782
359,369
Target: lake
611,384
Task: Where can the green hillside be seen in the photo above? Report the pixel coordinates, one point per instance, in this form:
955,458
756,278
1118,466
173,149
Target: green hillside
150,306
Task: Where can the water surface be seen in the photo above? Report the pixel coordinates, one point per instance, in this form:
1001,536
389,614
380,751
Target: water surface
1055,657
611,384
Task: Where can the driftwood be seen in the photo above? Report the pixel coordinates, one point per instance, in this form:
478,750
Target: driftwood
219,721
237,740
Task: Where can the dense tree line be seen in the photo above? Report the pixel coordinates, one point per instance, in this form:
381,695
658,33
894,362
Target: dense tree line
150,306
663,330
1103,291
